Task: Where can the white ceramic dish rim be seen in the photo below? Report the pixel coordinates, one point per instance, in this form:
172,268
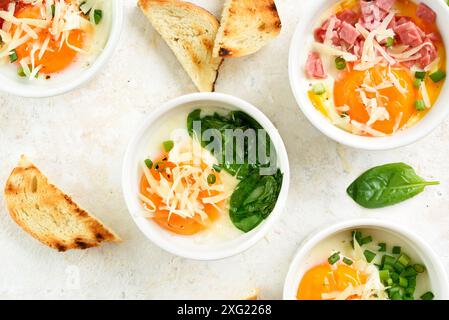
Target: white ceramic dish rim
239,104
27,91
425,126
291,283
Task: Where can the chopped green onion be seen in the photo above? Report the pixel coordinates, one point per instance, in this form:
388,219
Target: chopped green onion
395,277
409,291
211,179
382,247
412,282
319,88
390,282
384,275
366,240
403,282
396,250
168,145
388,260
98,15
217,168
390,42
369,255
149,163
357,235
340,63
420,105
53,10
420,75
334,258
417,83
419,268
427,296
404,260
409,272
20,72
84,9
437,76
347,261
13,56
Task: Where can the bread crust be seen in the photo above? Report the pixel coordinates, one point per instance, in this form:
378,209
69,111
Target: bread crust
246,26
30,198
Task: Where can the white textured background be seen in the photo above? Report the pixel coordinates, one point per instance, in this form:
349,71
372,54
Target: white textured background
79,139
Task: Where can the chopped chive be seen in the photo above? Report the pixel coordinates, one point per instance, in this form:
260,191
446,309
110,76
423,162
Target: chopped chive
357,235
13,56
347,261
369,255
419,268
98,15
340,63
396,250
417,83
404,260
318,89
168,145
53,10
420,105
382,247
366,240
211,179
420,75
334,258
427,296
217,168
149,163
403,282
437,76
390,42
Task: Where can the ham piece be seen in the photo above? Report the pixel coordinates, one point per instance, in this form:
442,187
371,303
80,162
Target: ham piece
348,33
314,66
426,14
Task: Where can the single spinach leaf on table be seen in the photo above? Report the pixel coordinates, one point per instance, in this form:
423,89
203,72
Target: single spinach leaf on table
387,185
254,199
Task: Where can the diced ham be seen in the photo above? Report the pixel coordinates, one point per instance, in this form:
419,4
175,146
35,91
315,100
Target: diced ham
426,14
348,16
348,33
320,33
314,66
428,55
409,34
372,14
385,4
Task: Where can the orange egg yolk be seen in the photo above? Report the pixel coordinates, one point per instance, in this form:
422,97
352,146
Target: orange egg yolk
325,278
57,57
174,222
399,105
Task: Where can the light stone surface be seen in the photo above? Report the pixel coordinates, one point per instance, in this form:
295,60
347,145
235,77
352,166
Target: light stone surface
79,139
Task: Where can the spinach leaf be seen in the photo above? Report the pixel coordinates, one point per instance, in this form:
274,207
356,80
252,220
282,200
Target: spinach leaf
256,195
235,120
387,185
254,199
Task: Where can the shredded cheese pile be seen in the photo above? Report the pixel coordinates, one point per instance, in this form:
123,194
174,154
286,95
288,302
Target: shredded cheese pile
180,194
58,17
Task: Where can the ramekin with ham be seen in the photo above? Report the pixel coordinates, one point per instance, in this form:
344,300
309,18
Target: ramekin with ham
377,66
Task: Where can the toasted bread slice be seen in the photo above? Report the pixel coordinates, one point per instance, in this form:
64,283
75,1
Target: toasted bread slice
190,32
48,214
246,26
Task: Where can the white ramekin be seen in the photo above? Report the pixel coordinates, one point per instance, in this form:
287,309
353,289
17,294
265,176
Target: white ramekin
299,84
32,89
180,245
437,275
